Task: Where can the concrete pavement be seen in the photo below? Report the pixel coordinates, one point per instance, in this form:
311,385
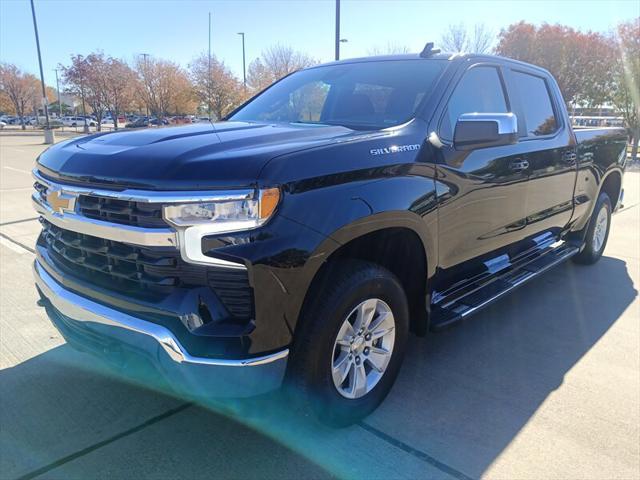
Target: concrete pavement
544,384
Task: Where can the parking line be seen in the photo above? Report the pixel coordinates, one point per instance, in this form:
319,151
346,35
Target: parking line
96,446
626,208
12,244
18,189
19,221
28,172
419,454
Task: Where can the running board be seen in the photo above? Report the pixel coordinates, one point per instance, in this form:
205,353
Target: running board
445,313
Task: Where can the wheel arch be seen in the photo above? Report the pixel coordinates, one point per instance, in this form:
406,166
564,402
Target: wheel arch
611,184
399,242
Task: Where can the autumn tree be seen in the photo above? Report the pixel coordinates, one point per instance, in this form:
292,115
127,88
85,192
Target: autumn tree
84,78
20,88
580,62
459,38
6,105
164,87
274,63
626,74
215,87
115,83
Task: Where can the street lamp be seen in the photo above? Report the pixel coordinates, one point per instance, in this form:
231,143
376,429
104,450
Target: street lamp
48,133
146,73
85,128
58,88
337,30
244,64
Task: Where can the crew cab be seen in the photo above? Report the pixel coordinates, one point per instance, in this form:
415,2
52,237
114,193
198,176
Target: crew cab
300,241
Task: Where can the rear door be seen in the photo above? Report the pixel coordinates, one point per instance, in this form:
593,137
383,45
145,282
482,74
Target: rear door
548,150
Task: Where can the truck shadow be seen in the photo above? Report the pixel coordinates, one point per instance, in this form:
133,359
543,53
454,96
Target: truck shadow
467,392
462,397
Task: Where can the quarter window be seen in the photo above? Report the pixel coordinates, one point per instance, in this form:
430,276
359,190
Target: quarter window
479,91
536,104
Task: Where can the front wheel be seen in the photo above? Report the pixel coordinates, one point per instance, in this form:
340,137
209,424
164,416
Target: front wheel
350,343
597,232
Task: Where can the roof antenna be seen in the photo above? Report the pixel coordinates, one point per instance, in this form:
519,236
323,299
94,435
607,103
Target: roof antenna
428,50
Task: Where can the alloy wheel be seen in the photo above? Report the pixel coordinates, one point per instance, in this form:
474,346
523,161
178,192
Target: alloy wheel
363,348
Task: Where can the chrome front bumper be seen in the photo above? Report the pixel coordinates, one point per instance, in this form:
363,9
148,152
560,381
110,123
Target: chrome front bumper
197,376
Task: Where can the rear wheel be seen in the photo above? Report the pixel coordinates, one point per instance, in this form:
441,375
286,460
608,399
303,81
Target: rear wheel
350,342
597,232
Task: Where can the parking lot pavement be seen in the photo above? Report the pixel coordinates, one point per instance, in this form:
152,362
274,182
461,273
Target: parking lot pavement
544,384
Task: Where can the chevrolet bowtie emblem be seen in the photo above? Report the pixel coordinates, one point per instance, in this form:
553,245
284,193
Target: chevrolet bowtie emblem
59,201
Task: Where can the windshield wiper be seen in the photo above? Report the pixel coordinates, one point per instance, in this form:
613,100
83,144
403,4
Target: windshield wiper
302,122
355,126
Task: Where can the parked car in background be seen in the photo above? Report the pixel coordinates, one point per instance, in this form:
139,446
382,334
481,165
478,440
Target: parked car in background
77,122
53,123
180,120
138,123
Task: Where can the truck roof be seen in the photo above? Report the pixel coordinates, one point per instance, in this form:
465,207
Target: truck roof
438,56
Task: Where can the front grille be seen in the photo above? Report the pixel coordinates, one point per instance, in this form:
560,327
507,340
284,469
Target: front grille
114,210
138,214
147,273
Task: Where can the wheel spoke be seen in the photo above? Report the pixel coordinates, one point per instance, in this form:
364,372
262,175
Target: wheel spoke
382,318
345,333
364,314
358,386
341,368
381,333
378,358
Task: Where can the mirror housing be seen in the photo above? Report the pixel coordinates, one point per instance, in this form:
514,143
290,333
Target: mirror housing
482,130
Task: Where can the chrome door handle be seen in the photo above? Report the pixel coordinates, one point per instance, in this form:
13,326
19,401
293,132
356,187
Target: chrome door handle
519,165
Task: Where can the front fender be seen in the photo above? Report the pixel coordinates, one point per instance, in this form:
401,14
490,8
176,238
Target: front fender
285,255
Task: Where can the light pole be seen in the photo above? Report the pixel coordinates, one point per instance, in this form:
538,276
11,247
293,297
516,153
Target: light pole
85,128
146,72
244,64
209,73
48,133
337,29
58,88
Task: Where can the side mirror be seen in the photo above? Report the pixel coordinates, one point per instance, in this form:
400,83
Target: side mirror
482,130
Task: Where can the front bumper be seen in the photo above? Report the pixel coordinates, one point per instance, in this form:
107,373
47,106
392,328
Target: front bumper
98,329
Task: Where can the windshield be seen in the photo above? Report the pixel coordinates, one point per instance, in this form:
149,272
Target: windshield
365,95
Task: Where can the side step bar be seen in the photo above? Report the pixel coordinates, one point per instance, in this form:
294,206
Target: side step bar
445,314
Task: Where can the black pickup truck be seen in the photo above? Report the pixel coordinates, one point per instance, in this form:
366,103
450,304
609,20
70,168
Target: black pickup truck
302,239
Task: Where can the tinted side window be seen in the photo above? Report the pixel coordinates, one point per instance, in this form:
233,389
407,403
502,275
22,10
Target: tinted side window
479,91
536,104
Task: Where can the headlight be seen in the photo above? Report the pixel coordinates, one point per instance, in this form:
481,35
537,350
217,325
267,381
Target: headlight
225,215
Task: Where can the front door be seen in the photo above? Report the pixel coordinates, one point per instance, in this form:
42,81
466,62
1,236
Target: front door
482,193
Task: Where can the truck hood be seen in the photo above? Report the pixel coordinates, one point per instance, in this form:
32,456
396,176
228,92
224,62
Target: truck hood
224,155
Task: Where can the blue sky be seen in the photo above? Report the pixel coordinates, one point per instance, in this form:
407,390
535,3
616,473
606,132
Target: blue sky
177,30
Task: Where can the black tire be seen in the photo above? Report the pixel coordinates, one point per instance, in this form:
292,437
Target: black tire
345,285
74,124
591,252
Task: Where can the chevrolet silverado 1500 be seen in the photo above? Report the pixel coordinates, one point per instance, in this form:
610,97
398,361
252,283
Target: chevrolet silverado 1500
303,238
